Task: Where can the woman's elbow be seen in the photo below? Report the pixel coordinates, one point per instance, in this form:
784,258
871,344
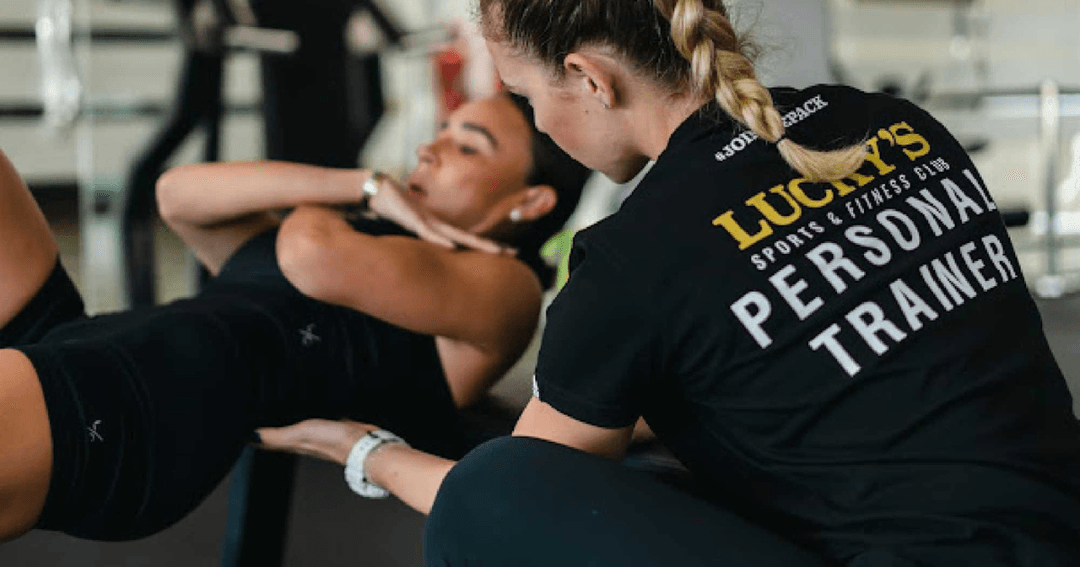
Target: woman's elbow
172,195
301,248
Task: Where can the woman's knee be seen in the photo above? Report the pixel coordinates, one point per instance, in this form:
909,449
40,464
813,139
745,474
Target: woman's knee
29,251
25,446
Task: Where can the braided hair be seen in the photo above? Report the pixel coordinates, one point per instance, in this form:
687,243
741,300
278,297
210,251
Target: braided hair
684,45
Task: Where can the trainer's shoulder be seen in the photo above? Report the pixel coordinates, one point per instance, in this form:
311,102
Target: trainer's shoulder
831,93
829,116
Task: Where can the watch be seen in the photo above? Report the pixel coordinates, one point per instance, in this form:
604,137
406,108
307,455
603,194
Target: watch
372,184
355,475
368,189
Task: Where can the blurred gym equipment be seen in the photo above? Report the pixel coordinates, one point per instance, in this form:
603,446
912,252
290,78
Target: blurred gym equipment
1004,77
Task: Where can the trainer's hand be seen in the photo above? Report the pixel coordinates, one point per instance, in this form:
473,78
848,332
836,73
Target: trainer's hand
390,203
319,438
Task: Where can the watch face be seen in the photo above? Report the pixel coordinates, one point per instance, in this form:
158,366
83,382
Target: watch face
384,435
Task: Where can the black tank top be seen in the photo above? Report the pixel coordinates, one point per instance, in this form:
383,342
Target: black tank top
385,375
261,267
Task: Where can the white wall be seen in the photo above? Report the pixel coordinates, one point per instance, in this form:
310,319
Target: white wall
793,35
792,30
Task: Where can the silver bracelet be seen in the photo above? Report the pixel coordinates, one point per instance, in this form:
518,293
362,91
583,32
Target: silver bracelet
355,475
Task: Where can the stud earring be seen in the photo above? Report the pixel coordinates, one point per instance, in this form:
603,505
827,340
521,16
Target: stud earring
515,215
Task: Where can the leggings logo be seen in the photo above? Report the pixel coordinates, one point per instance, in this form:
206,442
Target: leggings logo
308,336
94,435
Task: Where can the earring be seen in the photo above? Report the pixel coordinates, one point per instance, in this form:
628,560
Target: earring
515,215
606,105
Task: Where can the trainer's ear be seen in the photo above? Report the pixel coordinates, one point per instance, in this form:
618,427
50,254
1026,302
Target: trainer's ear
595,74
536,201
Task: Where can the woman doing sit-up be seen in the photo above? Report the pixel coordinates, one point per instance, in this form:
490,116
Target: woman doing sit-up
114,427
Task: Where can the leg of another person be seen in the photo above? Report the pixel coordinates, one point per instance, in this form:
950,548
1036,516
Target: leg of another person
523,502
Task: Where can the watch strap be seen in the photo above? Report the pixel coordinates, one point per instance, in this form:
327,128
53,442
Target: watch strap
355,474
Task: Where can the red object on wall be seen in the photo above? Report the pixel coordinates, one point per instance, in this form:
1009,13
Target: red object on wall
450,74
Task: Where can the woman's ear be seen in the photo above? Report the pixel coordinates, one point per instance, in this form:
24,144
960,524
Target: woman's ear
595,75
536,202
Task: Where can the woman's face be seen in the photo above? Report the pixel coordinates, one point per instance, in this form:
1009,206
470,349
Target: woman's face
480,158
577,123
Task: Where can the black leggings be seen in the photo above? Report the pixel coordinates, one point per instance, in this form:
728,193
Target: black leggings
149,409
521,501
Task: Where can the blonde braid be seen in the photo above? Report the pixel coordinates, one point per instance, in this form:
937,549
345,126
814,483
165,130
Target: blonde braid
706,37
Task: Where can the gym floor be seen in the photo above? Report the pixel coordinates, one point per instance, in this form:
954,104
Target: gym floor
330,526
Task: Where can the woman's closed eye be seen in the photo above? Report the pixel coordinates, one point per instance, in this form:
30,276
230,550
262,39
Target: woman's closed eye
468,150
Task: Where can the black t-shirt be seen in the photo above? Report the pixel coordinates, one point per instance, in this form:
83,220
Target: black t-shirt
856,364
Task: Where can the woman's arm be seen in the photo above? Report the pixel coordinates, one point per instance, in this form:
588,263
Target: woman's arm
217,207
482,307
207,194
464,295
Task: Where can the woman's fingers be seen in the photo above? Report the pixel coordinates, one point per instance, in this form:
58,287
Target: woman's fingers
429,233
467,239
320,438
285,438
389,203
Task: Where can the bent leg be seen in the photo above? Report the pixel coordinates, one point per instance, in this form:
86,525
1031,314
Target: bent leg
29,251
148,411
521,501
25,446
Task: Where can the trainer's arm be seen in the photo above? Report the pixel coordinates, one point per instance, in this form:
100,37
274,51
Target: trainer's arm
412,476
217,207
542,421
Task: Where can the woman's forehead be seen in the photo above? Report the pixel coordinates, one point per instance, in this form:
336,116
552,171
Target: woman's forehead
495,116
